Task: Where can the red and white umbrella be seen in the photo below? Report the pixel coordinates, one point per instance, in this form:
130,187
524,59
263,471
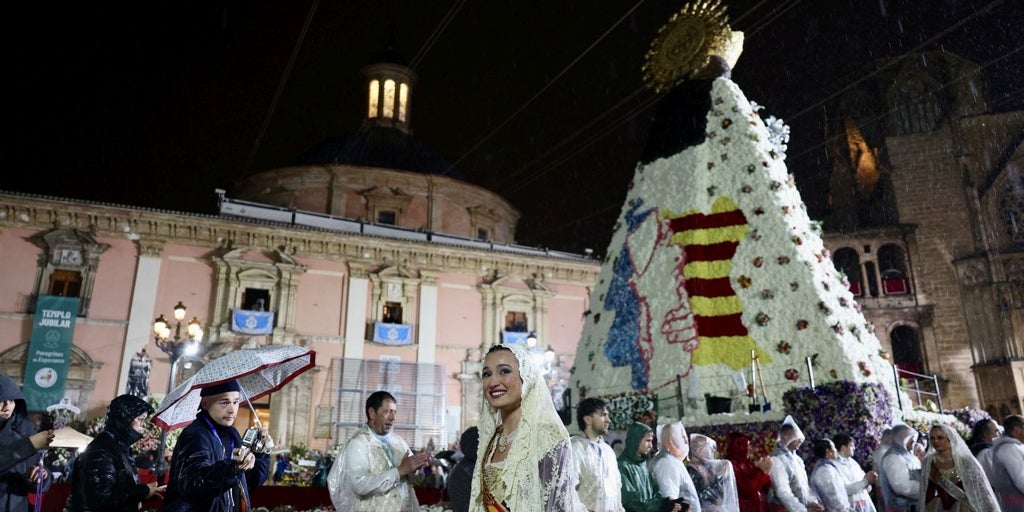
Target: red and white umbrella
259,371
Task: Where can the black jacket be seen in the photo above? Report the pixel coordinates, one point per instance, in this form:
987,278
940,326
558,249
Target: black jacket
14,483
203,475
104,477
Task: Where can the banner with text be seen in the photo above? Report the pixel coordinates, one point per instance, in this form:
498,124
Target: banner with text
49,351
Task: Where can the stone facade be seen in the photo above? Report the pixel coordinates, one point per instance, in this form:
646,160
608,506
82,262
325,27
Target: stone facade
931,170
326,288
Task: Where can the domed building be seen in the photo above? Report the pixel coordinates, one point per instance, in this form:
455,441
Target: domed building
383,174
370,250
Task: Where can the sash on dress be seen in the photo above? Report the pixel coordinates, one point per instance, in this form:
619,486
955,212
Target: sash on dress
951,488
490,503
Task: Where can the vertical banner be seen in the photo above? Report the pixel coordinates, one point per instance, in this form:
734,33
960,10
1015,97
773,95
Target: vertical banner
49,351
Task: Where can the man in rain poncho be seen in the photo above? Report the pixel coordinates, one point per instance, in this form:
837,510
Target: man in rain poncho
371,473
901,471
789,475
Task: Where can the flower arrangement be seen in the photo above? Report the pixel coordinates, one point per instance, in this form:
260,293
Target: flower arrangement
762,435
860,410
96,426
289,508
922,420
625,408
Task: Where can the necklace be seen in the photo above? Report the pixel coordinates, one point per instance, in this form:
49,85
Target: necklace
504,441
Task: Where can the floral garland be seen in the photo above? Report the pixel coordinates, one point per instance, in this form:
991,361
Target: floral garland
626,408
859,410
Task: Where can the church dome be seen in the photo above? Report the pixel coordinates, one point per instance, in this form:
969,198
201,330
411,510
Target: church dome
382,147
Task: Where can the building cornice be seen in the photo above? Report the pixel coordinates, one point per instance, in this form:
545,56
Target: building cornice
168,227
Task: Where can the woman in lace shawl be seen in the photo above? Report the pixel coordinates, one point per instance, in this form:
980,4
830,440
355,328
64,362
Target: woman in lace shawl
526,464
713,478
954,481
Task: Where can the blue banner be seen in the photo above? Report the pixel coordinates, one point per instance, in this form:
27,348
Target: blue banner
392,334
252,322
514,337
49,351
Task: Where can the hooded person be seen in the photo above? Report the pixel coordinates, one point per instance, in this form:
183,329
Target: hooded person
639,490
20,477
900,473
954,480
752,480
210,468
460,481
674,482
104,477
526,463
788,473
713,478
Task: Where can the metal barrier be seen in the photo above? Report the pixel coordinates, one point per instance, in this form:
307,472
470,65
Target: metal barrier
913,389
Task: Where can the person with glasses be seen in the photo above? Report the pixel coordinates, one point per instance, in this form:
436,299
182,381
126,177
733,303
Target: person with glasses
104,476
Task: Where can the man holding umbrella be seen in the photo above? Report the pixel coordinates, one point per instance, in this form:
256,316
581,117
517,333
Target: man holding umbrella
211,469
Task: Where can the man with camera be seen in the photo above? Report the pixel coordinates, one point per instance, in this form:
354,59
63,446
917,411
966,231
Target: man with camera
214,468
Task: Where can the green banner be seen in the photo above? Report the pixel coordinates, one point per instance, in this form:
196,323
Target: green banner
49,351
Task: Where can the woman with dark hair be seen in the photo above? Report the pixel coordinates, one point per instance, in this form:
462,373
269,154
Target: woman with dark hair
982,435
104,477
953,478
527,462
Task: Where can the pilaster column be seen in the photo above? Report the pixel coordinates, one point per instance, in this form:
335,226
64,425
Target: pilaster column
140,314
472,391
489,334
355,314
427,322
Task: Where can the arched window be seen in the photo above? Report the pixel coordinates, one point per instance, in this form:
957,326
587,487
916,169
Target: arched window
893,268
848,262
906,349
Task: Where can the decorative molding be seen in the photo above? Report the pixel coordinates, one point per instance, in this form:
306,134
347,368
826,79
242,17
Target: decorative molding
211,231
150,247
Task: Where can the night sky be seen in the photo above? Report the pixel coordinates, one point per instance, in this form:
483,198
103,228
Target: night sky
158,103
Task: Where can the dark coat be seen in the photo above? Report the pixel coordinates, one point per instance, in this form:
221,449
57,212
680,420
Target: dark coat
203,475
14,482
104,477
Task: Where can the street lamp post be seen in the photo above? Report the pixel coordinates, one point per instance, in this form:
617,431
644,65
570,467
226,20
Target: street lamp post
174,346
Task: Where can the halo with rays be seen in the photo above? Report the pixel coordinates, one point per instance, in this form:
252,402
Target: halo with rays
685,43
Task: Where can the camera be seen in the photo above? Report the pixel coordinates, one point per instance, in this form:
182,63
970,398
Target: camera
252,440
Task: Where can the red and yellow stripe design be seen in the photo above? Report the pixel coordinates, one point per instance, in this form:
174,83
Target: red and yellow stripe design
709,242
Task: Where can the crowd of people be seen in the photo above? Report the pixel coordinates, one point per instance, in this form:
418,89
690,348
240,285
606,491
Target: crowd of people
520,457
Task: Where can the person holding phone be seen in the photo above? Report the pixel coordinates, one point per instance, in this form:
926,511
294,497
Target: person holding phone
102,477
